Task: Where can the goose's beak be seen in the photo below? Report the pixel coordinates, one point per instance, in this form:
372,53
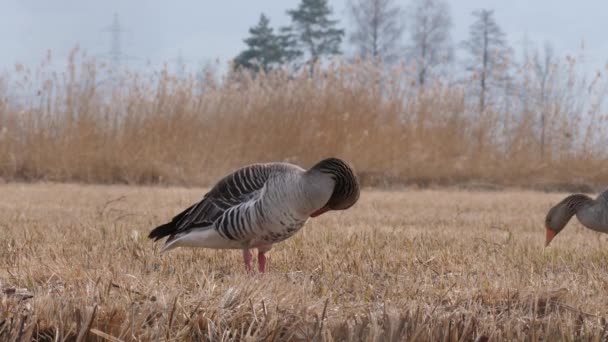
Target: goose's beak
550,235
320,211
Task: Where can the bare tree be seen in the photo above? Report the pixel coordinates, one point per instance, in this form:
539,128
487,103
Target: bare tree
540,87
543,71
430,45
489,53
377,28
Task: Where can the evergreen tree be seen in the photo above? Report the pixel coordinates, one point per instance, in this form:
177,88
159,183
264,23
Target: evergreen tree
265,50
288,43
314,30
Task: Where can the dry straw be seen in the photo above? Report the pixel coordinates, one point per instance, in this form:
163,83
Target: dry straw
418,265
86,124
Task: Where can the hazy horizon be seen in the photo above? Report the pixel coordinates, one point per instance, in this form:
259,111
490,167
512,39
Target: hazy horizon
203,31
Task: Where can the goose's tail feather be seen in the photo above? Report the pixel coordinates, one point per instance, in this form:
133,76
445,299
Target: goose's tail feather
162,231
170,228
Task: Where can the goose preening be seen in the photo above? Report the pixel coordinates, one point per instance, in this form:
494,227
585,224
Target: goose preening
591,213
259,205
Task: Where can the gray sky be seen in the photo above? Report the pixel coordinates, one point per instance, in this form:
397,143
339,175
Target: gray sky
157,30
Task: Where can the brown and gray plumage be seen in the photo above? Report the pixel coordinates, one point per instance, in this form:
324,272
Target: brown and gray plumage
591,213
260,205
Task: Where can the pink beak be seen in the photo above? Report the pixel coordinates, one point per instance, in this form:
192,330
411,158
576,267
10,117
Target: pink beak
320,211
550,235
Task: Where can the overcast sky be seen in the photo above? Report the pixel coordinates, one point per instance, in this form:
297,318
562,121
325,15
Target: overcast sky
157,30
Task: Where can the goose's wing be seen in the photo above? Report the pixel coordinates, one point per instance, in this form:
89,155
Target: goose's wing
601,211
594,214
234,189
603,196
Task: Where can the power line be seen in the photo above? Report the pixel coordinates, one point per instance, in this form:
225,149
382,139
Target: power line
116,54
180,64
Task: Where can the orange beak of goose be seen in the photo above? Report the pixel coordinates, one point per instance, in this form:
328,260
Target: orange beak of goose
550,235
320,211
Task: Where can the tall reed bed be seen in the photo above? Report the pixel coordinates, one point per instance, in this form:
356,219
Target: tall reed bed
87,124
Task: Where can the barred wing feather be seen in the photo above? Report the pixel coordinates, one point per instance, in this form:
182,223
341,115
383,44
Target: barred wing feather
234,189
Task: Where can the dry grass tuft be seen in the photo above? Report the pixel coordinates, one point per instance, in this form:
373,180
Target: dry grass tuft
443,265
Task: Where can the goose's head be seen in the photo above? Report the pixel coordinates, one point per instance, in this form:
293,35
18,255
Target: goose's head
561,213
346,184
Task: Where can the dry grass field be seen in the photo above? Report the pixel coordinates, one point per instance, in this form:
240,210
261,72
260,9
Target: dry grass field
440,265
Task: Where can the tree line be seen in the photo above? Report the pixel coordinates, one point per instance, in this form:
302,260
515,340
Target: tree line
384,32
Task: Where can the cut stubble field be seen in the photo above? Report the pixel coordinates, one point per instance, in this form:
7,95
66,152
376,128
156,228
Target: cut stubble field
444,264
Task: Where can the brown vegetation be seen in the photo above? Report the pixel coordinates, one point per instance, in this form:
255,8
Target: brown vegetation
78,127
437,265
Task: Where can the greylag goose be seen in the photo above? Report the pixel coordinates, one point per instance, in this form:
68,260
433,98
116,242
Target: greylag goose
259,205
591,213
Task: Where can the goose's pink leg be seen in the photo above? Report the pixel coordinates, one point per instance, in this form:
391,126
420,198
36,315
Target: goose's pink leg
261,261
247,259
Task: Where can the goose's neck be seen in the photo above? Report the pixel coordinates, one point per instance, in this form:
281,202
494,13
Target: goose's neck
568,207
576,203
316,190
573,205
